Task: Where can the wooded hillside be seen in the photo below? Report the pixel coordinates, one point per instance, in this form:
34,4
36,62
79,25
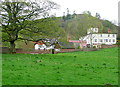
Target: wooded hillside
59,27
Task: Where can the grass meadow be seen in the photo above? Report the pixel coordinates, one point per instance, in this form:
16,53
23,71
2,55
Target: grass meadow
75,68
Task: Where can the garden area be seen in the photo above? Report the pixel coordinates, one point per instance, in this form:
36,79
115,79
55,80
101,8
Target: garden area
73,68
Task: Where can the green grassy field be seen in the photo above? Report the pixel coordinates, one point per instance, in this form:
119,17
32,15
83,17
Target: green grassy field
76,68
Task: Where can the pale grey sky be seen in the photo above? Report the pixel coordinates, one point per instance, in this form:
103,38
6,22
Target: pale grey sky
108,9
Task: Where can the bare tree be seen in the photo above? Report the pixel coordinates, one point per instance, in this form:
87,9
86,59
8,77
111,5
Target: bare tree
16,16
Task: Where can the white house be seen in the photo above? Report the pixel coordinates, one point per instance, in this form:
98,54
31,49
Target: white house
40,46
45,44
108,39
93,38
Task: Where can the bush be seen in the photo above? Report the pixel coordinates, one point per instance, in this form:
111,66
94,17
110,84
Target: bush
94,46
78,47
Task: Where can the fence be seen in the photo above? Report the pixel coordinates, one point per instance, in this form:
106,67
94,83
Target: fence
32,51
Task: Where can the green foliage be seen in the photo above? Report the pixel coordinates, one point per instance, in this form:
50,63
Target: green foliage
56,27
68,16
75,68
97,15
44,28
17,16
5,44
78,47
107,24
78,26
94,46
87,13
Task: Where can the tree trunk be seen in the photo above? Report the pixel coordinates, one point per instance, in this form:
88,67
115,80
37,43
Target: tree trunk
12,47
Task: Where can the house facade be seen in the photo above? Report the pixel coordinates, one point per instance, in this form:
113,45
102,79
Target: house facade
98,39
93,38
40,45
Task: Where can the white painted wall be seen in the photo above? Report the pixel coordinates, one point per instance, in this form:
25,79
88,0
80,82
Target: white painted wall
108,39
36,46
50,47
40,47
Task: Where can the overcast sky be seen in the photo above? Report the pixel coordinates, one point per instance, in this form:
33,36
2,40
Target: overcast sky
108,9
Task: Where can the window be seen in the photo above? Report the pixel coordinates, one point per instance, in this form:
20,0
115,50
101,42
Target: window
40,46
113,40
109,40
101,35
106,40
101,40
108,35
95,40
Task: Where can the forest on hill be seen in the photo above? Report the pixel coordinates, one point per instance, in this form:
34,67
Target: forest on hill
77,25
23,23
59,27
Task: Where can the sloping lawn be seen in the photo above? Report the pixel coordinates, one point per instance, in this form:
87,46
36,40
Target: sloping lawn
76,68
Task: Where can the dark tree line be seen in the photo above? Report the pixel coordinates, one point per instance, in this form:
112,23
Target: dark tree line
68,16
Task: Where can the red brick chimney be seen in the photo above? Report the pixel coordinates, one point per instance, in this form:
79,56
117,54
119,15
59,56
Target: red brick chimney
109,31
68,37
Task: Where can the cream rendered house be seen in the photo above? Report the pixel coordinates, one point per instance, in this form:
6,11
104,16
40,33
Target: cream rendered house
93,38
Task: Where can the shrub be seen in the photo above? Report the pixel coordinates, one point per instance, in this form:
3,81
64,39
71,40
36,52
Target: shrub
94,46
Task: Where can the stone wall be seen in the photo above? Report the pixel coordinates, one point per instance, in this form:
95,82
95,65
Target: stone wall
108,46
4,50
